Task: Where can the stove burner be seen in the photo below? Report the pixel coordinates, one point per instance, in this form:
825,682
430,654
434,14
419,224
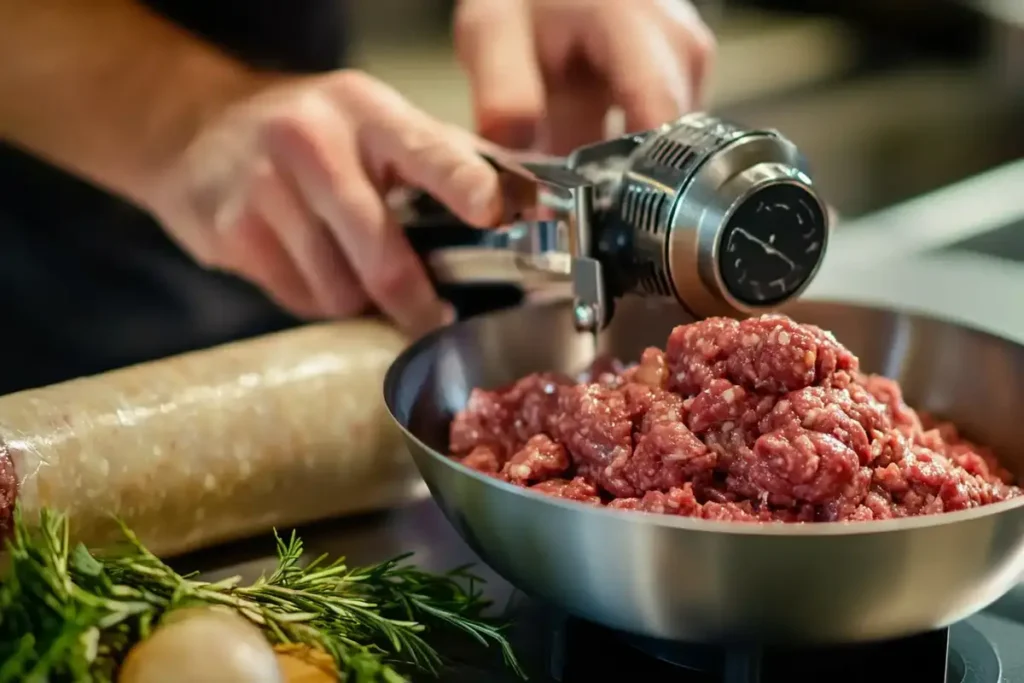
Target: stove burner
960,654
972,657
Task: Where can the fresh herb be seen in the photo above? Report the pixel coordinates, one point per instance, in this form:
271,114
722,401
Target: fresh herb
68,615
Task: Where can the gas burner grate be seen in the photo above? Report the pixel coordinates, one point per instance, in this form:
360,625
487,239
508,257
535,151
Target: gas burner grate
961,654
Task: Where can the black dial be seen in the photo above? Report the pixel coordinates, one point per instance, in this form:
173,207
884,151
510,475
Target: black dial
771,244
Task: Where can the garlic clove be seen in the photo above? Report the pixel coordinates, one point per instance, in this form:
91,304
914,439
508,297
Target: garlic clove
202,645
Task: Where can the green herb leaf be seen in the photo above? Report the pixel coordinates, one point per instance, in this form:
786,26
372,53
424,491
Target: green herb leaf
71,616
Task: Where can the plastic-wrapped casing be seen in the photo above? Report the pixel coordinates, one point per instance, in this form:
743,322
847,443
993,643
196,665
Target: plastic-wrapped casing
214,445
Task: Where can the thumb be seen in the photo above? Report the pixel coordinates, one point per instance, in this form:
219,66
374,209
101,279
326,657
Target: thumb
494,43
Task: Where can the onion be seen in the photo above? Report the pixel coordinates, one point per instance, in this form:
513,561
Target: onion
303,664
202,645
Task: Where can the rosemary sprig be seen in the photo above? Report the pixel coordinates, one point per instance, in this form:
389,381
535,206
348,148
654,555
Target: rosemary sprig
70,616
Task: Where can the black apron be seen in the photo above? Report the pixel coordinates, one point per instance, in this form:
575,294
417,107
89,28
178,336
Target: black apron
91,283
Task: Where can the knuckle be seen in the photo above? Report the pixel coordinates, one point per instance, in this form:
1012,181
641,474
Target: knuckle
359,212
429,153
353,81
472,179
299,116
704,42
363,96
287,128
263,180
390,280
422,142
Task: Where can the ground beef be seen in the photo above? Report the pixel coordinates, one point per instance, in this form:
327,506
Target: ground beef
539,460
8,493
578,489
760,420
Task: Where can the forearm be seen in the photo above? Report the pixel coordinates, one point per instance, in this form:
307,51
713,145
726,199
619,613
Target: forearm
107,89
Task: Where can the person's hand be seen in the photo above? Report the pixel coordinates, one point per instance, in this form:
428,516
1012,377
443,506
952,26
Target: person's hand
564,63
286,189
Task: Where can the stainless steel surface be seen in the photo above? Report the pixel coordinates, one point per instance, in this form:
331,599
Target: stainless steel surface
695,580
530,254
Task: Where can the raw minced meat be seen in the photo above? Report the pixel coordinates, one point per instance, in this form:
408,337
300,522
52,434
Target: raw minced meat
757,420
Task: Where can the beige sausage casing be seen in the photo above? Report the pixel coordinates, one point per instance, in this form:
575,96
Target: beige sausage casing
218,444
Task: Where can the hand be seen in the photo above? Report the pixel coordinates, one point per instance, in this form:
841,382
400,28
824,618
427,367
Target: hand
286,188
566,62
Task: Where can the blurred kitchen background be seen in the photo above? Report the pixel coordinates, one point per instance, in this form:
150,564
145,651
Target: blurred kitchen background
889,99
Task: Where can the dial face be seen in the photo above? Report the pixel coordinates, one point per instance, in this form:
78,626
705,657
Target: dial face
771,244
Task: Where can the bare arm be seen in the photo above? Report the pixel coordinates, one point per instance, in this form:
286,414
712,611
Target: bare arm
107,89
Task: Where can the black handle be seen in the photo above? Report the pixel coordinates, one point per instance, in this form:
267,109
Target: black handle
434,228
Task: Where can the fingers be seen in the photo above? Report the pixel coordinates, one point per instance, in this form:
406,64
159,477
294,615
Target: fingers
576,117
308,243
642,67
696,45
396,136
494,43
253,251
326,166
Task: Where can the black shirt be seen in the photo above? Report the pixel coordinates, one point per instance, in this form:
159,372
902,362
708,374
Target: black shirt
91,283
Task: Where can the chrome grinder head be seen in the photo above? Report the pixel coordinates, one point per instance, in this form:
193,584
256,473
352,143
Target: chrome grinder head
724,219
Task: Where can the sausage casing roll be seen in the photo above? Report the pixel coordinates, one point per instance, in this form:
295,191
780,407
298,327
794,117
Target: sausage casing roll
214,445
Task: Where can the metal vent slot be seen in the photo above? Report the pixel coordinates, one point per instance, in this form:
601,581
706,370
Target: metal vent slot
641,206
627,205
648,279
630,204
680,153
652,281
662,284
700,139
668,151
661,147
639,209
649,211
700,147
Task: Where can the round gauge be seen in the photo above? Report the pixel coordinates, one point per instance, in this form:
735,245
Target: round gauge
771,244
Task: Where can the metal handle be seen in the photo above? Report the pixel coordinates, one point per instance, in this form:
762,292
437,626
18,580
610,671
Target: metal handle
559,247
528,254
546,239
451,253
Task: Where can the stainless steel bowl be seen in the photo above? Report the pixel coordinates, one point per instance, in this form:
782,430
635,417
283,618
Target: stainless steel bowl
695,580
